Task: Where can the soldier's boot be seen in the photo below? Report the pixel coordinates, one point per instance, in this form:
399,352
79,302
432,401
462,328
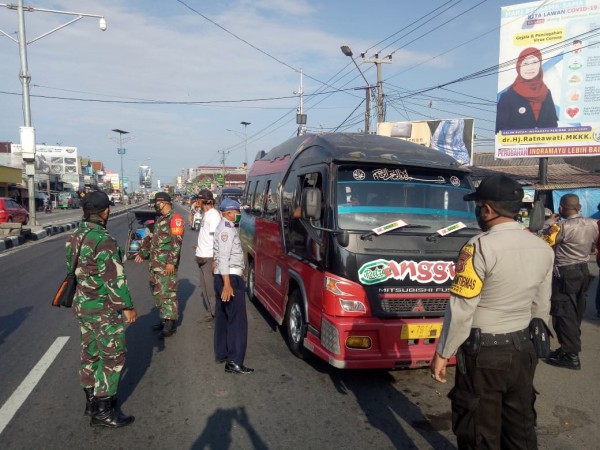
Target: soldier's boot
90,403
169,329
107,415
159,326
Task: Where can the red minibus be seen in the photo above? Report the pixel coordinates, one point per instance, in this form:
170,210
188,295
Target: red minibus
350,242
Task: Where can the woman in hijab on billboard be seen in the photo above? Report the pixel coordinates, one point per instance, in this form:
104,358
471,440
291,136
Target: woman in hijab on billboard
527,103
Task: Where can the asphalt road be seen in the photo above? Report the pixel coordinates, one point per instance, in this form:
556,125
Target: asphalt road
182,399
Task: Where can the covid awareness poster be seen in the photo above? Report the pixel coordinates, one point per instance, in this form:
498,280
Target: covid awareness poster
548,101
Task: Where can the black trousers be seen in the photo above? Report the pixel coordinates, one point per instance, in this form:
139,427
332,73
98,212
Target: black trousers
231,321
493,398
568,303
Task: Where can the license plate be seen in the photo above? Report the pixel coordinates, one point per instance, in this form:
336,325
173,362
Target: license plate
421,331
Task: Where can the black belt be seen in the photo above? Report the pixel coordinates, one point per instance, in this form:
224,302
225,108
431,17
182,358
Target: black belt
491,339
576,266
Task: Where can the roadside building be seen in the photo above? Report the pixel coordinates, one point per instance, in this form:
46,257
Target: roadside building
579,176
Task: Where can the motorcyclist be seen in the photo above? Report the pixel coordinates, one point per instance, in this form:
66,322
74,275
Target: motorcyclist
196,207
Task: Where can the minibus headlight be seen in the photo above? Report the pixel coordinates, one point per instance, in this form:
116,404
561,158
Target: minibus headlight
353,306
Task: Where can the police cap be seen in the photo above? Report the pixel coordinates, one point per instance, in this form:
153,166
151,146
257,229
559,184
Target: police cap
230,205
162,197
95,201
498,188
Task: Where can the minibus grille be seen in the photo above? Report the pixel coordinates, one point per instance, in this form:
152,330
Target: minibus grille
398,305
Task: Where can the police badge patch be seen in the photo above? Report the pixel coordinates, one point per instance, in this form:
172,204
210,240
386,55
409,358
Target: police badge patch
224,237
467,283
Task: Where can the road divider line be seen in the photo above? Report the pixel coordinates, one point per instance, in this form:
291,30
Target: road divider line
12,405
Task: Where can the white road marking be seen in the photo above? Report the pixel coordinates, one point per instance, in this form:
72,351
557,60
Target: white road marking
12,405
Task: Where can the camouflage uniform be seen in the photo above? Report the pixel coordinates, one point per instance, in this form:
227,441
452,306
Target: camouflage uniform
101,294
164,247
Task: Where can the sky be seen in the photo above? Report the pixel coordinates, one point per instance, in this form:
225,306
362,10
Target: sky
178,74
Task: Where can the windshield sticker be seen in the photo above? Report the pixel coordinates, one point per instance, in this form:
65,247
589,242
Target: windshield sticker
454,181
422,272
358,174
402,175
451,229
389,226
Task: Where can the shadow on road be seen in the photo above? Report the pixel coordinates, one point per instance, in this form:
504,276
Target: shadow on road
217,433
12,321
142,340
387,408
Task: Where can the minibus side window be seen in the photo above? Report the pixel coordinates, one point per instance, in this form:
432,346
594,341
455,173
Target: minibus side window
257,202
271,200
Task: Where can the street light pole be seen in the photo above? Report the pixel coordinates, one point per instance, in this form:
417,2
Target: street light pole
348,52
27,132
245,144
121,151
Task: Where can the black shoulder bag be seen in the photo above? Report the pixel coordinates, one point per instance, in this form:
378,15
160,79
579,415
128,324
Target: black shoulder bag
66,291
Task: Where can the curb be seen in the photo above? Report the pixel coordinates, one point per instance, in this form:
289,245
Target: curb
10,242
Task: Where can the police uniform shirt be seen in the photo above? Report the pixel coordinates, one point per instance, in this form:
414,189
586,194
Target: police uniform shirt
575,240
503,280
227,249
210,222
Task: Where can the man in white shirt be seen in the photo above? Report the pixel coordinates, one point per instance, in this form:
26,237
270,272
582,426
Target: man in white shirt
204,251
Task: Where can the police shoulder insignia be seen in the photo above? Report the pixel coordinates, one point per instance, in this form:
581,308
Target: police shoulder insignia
549,236
177,225
467,283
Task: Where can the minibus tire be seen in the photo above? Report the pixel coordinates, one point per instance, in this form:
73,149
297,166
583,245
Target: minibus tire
295,325
250,282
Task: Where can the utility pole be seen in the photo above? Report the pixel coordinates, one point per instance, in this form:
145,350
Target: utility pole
27,132
378,62
300,116
121,151
223,156
245,143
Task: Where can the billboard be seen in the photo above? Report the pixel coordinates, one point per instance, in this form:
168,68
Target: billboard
146,177
548,101
453,137
55,160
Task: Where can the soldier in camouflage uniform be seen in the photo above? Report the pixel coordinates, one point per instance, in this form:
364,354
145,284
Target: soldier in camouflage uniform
101,301
163,250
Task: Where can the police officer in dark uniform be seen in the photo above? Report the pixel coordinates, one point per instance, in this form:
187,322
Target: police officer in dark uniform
573,239
503,280
231,322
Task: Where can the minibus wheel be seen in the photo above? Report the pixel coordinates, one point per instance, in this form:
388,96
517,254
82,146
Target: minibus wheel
295,326
250,282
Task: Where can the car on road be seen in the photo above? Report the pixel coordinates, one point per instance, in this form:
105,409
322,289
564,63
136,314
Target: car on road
232,193
11,211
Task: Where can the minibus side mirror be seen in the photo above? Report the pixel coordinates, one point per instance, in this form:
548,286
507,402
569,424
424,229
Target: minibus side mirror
311,204
343,239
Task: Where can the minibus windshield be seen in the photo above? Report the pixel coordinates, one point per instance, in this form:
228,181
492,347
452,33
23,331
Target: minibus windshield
370,196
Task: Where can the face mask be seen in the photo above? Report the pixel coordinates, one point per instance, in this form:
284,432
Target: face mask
237,219
480,220
157,207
